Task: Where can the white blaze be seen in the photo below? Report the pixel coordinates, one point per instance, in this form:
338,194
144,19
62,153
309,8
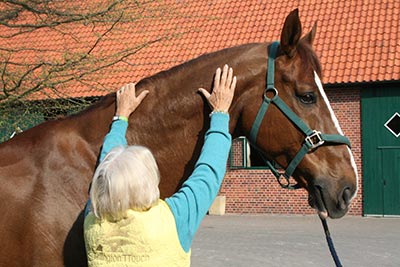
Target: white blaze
336,122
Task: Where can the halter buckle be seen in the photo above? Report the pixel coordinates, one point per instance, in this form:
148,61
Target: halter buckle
314,140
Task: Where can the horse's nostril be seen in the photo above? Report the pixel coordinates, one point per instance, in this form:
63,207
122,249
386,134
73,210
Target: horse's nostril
344,201
347,195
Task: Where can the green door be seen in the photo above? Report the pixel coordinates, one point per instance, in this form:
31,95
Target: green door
390,180
381,150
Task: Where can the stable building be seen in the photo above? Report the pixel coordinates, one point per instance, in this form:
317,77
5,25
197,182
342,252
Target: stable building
358,46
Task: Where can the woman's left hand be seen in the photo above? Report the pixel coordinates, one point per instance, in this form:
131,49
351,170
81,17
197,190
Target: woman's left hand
220,99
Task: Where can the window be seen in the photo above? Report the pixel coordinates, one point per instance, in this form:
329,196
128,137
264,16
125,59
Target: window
244,156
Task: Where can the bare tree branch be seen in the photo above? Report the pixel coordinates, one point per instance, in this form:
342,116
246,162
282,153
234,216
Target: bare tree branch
48,15
57,16
30,69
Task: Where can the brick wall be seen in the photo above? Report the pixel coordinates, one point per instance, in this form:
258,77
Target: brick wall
257,191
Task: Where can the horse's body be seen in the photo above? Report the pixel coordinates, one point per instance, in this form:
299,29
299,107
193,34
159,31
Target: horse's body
45,172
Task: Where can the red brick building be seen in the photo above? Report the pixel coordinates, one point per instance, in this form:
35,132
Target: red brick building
358,45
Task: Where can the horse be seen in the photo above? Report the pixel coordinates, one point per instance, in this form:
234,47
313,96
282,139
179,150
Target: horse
45,171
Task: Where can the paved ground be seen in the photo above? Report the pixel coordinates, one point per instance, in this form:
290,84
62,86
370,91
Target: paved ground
272,240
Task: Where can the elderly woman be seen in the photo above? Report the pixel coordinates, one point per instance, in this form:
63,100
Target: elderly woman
126,223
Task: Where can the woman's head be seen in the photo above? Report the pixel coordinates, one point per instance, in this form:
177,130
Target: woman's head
127,178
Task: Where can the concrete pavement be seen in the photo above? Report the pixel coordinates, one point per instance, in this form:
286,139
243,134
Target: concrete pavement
276,240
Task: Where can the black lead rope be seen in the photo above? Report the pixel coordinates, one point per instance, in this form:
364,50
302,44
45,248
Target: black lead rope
330,243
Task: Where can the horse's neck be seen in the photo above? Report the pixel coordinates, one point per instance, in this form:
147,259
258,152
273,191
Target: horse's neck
174,106
164,111
174,102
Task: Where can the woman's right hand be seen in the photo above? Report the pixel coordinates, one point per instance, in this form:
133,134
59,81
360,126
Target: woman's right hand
224,88
127,101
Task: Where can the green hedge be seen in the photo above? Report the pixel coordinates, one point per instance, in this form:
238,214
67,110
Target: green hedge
24,115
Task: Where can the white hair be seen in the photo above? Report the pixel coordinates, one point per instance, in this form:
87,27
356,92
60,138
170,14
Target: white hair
127,178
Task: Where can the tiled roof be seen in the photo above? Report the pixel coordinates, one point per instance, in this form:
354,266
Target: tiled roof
357,41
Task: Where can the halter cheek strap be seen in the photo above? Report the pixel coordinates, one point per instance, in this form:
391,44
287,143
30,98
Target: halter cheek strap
313,138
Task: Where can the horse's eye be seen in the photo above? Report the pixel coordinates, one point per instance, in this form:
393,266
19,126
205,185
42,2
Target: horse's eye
307,98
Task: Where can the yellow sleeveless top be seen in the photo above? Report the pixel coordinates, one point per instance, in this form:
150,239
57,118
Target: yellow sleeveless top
142,239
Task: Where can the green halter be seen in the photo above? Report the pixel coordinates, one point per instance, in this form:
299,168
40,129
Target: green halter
313,138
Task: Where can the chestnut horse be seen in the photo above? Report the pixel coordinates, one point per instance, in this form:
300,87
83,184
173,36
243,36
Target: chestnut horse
45,172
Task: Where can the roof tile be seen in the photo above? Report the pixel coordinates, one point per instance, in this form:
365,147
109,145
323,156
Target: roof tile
356,40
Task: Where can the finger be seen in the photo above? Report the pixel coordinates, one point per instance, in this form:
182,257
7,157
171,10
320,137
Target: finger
131,86
224,75
119,94
230,76
205,93
217,78
142,95
233,84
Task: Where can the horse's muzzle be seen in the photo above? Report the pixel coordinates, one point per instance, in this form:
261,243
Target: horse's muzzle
328,203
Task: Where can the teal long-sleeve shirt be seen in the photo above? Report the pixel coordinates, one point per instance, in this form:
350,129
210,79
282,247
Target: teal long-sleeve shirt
190,204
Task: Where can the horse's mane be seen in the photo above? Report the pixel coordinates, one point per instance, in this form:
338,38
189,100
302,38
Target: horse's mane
207,57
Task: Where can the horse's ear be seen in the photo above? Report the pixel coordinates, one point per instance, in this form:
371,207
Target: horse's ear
291,33
309,37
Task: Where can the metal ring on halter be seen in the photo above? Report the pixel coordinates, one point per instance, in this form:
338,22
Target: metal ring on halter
287,184
273,90
282,177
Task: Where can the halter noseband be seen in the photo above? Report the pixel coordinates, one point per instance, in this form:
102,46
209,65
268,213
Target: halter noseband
313,139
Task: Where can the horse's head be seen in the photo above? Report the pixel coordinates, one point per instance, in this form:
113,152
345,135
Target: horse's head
321,163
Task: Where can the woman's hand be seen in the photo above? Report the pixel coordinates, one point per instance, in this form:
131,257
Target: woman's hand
224,87
127,101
